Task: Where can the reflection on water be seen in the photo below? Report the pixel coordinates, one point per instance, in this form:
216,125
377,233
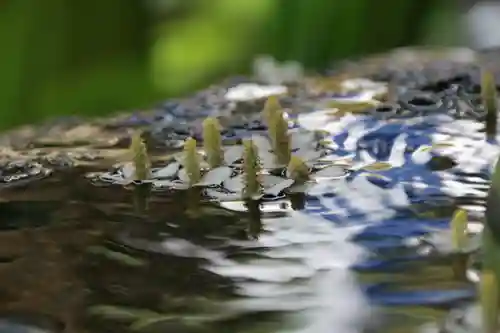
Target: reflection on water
101,262
364,251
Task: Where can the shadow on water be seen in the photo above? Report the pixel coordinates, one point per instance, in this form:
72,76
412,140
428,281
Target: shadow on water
77,260
76,257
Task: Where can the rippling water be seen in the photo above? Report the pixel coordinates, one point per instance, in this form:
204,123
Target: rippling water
360,253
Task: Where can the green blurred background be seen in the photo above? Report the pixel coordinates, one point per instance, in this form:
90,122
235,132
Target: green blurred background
88,57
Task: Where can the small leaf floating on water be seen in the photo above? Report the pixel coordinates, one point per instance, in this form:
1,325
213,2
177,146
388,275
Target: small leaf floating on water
215,176
171,184
443,144
298,188
333,171
488,294
343,107
167,172
276,189
233,154
235,184
489,99
378,166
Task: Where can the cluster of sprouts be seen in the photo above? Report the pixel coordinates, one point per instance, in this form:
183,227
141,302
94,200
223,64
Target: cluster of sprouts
274,117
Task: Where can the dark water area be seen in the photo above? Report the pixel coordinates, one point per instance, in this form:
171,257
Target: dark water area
76,257
81,258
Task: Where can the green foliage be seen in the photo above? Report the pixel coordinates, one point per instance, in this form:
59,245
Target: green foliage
56,61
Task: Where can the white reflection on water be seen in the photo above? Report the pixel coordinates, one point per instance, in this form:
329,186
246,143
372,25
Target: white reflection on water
304,267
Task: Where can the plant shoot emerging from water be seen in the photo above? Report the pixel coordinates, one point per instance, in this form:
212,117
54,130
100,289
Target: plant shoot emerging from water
278,133
271,106
459,242
488,294
212,142
140,159
459,230
298,170
192,161
489,97
251,169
